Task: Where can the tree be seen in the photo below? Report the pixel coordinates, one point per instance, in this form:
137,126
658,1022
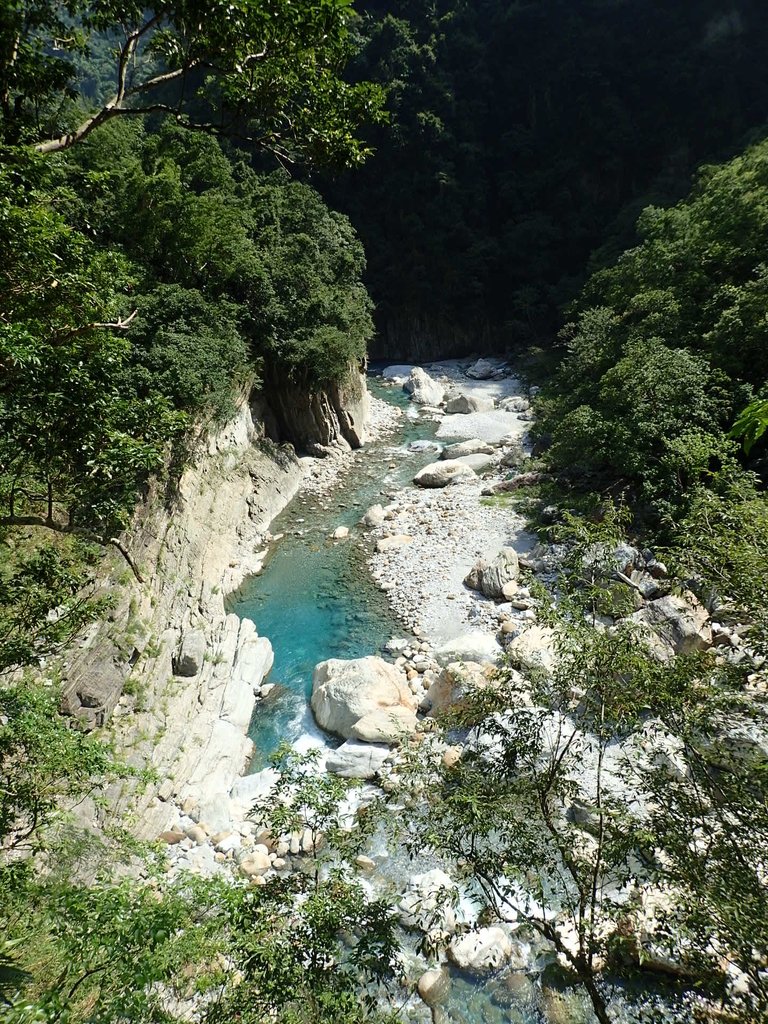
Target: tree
267,71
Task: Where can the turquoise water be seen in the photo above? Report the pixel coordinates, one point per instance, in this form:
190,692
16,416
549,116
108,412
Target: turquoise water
314,599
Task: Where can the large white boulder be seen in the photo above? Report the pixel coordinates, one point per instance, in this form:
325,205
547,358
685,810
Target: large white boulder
441,474
397,371
343,692
456,680
386,725
490,578
423,389
535,648
475,646
468,403
477,462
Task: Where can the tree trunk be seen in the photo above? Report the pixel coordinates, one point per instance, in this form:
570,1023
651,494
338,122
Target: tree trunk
598,1003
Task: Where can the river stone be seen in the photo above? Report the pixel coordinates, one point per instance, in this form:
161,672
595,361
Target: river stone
486,949
475,646
343,692
423,389
681,623
466,404
375,516
515,403
256,863
456,680
534,648
357,760
490,578
478,462
340,532
481,370
474,446
191,653
426,903
440,474
399,540
434,986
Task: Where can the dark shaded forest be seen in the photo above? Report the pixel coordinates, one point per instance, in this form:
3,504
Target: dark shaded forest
525,138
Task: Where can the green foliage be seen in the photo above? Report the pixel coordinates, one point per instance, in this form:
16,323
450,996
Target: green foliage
264,250
527,137
751,424
668,343
44,760
62,350
44,601
264,70
189,349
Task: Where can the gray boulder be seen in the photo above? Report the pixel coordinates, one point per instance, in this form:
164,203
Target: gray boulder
475,646
441,474
466,404
191,653
490,578
478,462
474,446
481,370
680,623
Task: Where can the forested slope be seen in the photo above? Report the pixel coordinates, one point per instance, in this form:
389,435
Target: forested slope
525,139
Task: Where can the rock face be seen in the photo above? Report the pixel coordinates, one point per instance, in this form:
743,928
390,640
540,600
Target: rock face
344,692
422,388
490,578
441,474
314,419
466,404
680,623
474,446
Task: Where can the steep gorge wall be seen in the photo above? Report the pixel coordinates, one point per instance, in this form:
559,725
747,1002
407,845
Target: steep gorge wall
314,419
191,552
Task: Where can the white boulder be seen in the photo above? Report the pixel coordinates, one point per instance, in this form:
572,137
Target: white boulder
486,949
357,760
423,389
473,446
441,474
475,646
466,404
343,692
